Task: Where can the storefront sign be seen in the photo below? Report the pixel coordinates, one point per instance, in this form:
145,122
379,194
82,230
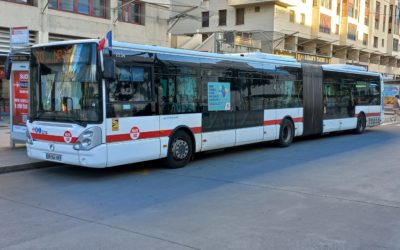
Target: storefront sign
20,99
19,36
308,57
301,57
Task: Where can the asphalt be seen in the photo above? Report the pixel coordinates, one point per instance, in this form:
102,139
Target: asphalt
337,191
16,159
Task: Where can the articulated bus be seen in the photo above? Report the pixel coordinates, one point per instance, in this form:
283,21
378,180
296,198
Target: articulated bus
137,103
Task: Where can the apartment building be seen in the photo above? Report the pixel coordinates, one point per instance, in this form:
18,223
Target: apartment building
359,32
144,22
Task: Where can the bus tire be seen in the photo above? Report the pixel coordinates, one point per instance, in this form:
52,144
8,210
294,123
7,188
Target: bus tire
286,133
361,124
180,150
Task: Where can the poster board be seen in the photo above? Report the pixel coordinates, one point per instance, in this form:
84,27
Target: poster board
19,100
390,90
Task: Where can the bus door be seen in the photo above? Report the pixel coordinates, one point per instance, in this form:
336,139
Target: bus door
247,102
218,116
218,119
339,102
133,130
313,102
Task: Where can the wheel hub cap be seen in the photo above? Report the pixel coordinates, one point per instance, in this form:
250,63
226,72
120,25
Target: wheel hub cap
180,149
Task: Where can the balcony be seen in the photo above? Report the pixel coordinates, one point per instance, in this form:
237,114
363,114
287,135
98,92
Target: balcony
237,3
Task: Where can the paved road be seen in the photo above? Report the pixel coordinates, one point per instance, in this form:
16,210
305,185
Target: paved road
333,192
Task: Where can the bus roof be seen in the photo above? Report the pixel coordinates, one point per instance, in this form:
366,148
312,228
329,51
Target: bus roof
346,68
273,59
247,57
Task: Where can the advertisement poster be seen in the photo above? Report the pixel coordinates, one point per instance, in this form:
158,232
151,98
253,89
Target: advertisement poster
219,96
19,36
20,99
389,92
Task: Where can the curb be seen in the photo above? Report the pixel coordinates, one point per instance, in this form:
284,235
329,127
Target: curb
27,166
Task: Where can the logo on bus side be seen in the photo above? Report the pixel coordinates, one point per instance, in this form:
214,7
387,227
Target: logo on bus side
38,130
134,133
67,136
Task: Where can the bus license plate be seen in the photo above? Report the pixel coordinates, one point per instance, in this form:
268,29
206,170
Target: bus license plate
53,157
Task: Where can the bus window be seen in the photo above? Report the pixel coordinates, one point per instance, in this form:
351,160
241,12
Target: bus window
374,92
367,90
178,94
288,87
178,80
131,93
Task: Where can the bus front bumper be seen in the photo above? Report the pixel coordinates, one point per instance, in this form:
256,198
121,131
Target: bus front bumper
64,153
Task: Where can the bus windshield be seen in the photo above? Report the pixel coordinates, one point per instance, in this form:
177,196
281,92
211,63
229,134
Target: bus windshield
64,84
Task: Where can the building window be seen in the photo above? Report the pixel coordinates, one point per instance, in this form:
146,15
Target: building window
365,39
239,16
222,18
366,16
257,9
352,8
337,29
303,19
395,45
375,42
87,7
292,16
338,8
352,32
205,19
326,4
131,11
384,18
391,8
325,23
28,2
383,43
377,14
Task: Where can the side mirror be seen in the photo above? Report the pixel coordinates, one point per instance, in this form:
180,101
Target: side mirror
109,72
7,67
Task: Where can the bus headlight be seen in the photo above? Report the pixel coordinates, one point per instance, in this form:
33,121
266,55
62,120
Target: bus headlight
89,139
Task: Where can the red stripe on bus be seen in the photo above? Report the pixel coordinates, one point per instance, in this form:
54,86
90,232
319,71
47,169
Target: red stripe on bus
127,137
277,122
196,130
51,138
373,114
272,122
145,135
300,119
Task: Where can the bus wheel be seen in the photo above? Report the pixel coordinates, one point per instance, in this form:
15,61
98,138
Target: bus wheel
180,150
361,124
286,133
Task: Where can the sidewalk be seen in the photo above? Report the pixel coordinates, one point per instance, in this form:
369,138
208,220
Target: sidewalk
14,159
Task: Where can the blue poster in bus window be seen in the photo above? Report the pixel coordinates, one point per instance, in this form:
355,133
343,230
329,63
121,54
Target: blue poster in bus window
137,74
124,74
219,96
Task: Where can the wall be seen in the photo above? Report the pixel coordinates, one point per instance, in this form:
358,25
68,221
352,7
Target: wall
59,22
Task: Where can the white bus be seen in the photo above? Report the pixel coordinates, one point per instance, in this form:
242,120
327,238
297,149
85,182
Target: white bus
101,109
